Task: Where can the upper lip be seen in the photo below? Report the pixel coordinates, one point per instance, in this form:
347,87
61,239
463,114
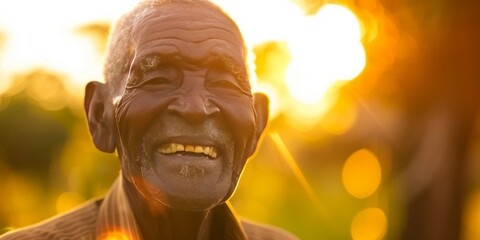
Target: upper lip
189,140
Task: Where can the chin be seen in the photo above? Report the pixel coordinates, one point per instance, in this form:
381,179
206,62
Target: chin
199,190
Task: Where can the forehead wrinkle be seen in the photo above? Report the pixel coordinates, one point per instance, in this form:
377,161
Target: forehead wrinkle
200,18
186,28
196,13
194,35
188,20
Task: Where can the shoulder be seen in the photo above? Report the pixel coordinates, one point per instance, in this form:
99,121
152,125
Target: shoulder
78,223
256,231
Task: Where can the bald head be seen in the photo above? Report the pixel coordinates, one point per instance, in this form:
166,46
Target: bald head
121,50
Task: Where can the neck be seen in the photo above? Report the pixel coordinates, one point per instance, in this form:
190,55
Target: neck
189,224
162,222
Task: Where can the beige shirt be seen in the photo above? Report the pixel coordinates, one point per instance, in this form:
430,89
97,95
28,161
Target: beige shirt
112,218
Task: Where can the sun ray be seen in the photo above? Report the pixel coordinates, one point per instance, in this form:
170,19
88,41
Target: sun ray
287,156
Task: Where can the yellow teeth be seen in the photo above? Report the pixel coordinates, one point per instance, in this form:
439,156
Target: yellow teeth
176,147
198,149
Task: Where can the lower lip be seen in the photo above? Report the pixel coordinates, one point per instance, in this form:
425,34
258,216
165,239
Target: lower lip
186,157
175,162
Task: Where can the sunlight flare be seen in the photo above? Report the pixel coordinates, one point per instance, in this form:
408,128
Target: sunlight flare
282,148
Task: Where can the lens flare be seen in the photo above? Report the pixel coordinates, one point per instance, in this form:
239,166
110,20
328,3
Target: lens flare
115,235
297,171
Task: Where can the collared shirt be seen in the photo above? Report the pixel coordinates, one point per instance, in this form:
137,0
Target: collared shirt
112,218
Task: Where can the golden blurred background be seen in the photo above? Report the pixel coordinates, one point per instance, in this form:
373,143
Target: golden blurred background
374,130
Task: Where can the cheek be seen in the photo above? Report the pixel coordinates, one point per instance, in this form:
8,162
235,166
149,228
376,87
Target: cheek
239,114
135,113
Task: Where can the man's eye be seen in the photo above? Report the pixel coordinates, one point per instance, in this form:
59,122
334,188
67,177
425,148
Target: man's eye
157,81
221,79
226,84
164,75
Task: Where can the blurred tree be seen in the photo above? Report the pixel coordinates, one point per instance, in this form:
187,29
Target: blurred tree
438,88
34,127
30,135
47,161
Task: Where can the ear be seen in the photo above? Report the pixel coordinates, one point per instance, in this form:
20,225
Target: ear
261,105
99,109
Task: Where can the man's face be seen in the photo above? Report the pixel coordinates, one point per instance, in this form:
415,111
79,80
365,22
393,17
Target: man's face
186,121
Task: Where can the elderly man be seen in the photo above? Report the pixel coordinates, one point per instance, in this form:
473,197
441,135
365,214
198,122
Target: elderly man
178,108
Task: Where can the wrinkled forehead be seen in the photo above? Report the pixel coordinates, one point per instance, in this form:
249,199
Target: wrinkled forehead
195,32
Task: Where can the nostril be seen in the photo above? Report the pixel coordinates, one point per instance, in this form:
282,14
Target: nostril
211,108
176,106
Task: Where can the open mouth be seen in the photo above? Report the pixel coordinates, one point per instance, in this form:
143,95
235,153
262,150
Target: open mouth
195,150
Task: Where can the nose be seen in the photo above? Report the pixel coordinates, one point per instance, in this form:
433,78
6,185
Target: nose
194,107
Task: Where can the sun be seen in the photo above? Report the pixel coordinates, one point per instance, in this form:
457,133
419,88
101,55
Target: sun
325,49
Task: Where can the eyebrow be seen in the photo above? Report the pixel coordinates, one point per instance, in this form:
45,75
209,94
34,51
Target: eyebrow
154,61
231,65
143,65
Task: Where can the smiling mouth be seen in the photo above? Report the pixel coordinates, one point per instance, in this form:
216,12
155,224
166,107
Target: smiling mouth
196,150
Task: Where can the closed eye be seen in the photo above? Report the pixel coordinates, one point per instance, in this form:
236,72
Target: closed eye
165,76
225,84
220,79
157,81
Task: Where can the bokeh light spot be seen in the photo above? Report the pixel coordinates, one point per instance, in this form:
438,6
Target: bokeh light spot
361,174
369,224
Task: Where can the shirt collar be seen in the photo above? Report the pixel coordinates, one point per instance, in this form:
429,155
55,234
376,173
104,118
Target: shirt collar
116,218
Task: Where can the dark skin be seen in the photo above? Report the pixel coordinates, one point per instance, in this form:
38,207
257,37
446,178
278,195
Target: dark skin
186,121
